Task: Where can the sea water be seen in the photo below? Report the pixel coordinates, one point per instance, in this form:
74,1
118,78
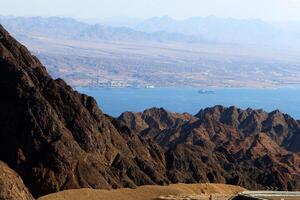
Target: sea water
114,101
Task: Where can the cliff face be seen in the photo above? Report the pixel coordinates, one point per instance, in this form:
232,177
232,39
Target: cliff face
251,148
56,138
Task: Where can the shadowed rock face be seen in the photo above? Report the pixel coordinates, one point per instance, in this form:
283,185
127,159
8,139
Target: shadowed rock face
251,148
11,185
152,121
56,138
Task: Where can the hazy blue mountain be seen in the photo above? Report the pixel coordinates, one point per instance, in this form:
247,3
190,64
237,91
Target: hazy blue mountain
216,29
160,29
288,26
120,22
68,28
38,26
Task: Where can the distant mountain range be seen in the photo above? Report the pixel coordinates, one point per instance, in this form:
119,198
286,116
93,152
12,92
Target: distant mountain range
160,29
229,30
67,28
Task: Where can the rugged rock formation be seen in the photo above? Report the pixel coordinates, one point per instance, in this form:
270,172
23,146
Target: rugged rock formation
251,148
56,138
152,121
11,185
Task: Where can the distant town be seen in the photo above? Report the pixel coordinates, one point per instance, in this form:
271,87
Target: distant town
114,57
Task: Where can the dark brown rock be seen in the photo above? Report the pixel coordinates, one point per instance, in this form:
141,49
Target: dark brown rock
251,148
56,138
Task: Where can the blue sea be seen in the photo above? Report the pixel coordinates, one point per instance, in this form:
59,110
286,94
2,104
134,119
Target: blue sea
114,101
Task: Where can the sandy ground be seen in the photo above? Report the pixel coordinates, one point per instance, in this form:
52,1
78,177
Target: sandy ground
176,191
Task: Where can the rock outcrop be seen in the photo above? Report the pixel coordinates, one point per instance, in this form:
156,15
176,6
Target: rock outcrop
11,185
57,139
252,148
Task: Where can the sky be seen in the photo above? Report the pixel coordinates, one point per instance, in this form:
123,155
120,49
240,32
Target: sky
279,10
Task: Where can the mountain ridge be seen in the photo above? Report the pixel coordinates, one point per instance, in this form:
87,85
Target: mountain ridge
241,139
221,30
209,29
69,28
56,138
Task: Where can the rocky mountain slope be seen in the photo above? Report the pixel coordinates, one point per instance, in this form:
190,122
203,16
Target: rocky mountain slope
56,138
251,148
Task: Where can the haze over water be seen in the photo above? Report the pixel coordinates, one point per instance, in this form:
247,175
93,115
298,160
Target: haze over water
114,101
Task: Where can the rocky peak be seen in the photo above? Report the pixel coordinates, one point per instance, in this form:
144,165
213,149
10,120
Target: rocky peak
235,141
153,118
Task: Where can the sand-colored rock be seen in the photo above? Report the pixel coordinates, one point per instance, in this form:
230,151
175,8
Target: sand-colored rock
11,185
148,192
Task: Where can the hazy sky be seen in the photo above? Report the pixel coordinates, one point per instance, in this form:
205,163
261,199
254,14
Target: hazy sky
262,9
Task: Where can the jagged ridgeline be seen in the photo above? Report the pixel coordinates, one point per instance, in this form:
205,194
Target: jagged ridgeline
56,138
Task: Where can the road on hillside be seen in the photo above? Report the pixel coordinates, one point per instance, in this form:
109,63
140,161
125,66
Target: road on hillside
272,195
282,198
